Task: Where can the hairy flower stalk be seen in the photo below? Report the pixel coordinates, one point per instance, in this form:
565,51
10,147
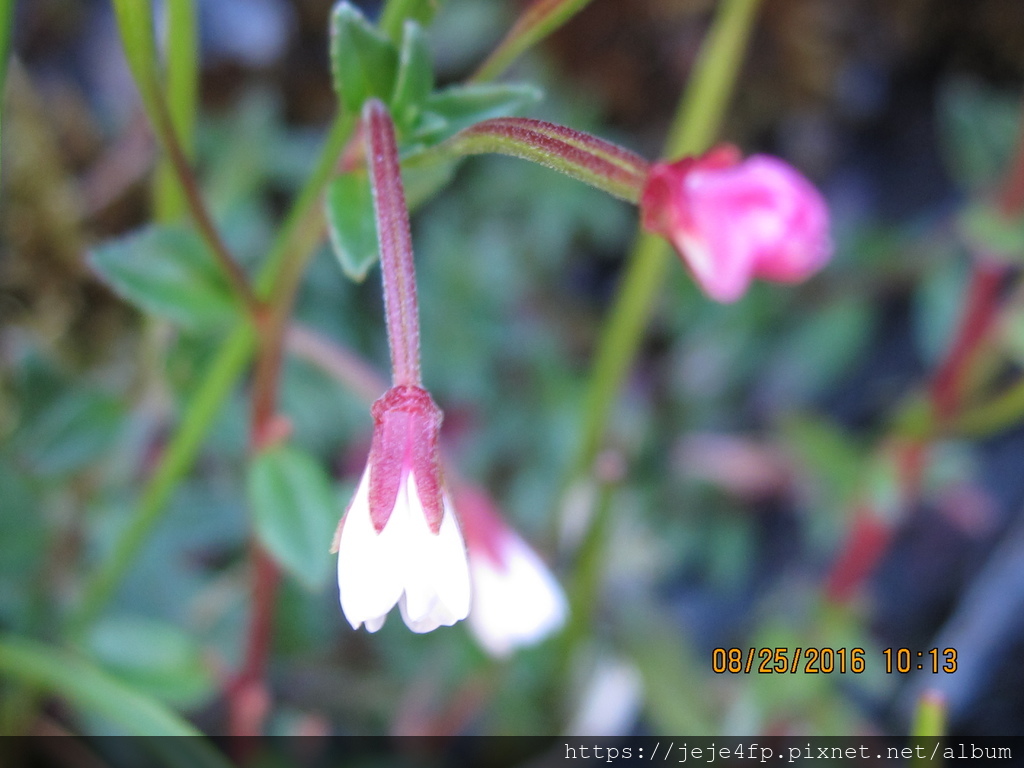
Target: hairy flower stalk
399,542
396,261
584,157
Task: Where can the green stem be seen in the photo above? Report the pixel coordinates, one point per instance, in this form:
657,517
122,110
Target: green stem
135,21
699,117
538,21
175,462
182,77
292,245
929,716
6,25
1001,412
697,120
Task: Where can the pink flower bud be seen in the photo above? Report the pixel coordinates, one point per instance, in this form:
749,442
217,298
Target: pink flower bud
733,220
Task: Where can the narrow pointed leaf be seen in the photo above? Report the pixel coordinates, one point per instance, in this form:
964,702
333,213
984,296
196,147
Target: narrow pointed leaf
295,512
94,691
155,657
72,433
415,77
169,272
363,61
350,220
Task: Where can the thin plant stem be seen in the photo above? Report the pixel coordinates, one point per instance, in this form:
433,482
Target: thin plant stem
6,29
175,460
586,158
182,77
540,19
247,697
398,270
945,390
200,214
929,717
979,315
136,25
292,244
709,88
339,362
947,385
996,414
698,117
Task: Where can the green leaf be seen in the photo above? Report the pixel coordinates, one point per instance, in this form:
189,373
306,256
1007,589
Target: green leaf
363,61
169,272
23,536
73,432
94,691
295,511
415,77
458,107
154,657
351,222
422,182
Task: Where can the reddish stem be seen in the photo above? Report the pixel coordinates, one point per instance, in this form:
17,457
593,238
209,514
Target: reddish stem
397,267
982,301
948,383
864,546
562,148
248,700
594,146
1011,195
869,536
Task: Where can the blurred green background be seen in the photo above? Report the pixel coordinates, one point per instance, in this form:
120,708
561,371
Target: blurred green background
754,476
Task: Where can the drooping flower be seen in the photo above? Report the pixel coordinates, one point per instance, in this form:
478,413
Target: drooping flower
516,600
732,220
399,542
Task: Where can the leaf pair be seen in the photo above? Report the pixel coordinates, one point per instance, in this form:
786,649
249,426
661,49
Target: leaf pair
366,64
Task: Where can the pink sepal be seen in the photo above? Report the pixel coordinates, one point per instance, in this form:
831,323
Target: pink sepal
407,424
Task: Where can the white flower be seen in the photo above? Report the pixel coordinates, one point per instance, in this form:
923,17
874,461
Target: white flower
394,546
516,602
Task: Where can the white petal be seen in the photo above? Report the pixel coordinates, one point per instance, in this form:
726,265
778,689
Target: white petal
437,587
517,605
370,572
